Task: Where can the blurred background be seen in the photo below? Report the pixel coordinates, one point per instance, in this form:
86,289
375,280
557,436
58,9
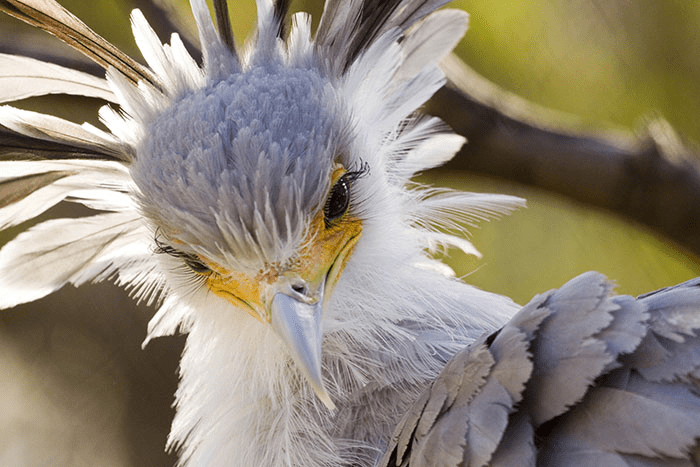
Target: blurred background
78,390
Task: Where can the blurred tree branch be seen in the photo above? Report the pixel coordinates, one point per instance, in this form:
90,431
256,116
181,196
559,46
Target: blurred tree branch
651,176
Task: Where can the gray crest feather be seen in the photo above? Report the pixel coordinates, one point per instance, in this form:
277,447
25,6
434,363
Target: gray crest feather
258,161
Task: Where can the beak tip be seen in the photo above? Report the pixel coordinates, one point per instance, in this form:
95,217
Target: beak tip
299,326
323,395
326,399
313,376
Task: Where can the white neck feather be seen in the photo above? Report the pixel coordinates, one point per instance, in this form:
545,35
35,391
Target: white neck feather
242,402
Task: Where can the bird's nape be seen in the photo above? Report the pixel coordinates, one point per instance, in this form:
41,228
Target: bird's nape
264,200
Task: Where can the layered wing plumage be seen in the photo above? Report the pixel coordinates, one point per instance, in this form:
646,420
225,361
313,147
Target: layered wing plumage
579,377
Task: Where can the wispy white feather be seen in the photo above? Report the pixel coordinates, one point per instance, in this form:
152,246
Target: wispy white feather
336,25
417,156
219,62
449,209
23,77
299,48
54,253
435,240
58,130
175,67
266,46
420,88
97,184
431,39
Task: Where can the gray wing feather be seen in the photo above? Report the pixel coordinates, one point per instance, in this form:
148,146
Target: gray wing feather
433,436
578,377
517,447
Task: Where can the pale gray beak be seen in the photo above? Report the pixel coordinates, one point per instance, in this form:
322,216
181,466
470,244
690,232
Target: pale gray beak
297,319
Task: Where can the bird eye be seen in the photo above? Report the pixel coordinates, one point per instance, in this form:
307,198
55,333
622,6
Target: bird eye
338,199
190,260
196,265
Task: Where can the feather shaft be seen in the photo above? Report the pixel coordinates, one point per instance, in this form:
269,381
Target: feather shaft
50,16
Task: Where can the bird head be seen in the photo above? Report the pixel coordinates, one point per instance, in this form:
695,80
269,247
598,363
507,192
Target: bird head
261,181
253,182
250,181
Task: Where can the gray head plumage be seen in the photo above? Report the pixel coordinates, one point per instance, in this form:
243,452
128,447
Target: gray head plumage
243,163
236,168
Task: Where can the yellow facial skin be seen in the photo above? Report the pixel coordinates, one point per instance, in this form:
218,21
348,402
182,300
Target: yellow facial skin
239,289
321,259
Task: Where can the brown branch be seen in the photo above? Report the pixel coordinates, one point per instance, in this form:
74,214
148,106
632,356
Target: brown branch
650,177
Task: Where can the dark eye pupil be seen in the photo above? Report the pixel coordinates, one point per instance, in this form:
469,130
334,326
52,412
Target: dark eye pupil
196,265
338,200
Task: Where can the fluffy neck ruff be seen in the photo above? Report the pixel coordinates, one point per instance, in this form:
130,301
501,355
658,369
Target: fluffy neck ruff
388,331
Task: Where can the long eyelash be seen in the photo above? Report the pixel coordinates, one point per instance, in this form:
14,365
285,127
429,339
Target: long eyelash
163,248
360,172
346,180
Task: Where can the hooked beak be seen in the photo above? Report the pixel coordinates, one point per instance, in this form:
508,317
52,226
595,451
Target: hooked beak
293,300
297,319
